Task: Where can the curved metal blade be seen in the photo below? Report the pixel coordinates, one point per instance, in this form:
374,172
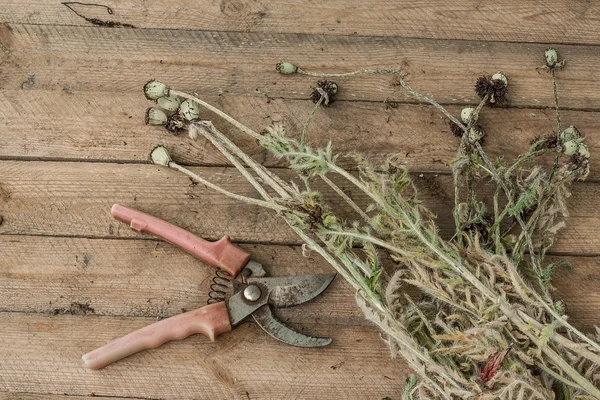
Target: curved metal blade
293,290
275,328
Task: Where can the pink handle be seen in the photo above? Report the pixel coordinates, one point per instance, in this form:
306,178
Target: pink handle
211,320
220,254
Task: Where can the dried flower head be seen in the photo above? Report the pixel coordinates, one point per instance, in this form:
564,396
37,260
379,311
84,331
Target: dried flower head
570,133
476,134
175,124
286,68
493,365
551,57
466,114
549,141
455,129
190,110
326,89
155,116
154,90
160,155
495,87
169,103
571,147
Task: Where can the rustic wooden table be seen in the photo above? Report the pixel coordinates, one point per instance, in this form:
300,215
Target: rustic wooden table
73,142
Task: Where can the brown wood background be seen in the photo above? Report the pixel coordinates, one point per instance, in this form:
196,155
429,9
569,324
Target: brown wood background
72,143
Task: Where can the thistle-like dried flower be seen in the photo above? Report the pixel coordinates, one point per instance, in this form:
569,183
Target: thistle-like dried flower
495,87
155,116
175,124
169,103
286,68
493,365
455,129
160,155
325,89
190,110
154,90
476,134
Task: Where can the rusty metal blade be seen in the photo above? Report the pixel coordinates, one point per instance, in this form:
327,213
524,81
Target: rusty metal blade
276,329
293,290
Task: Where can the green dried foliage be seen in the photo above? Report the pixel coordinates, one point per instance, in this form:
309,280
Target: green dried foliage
482,291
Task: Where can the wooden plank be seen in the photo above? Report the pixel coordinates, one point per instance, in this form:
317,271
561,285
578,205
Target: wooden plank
556,21
42,353
96,59
46,396
144,278
74,199
54,125
57,275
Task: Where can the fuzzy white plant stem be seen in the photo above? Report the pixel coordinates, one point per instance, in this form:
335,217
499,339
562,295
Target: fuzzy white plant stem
346,198
236,196
220,113
276,183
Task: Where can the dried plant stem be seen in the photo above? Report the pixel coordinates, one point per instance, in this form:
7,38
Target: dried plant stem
276,183
220,113
236,196
341,75
310,117
346,198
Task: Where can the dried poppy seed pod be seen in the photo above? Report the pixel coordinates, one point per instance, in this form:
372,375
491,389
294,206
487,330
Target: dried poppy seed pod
571,147
499,76
190,110
551,57
570,133
286,68
466,114
170,103
584,152
154,90
155,116
160,155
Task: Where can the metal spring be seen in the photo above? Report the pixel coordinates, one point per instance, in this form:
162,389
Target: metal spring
219,287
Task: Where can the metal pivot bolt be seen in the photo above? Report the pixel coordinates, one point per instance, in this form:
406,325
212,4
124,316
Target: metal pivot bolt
252,293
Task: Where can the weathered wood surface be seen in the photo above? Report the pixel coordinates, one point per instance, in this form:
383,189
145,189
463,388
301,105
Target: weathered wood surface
74,199
65,58
556,21
95,127
239,365
72,144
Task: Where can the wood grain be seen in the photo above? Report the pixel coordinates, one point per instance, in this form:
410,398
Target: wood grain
73,59
46,396
515,21
146,278
54,125
74,199
242,364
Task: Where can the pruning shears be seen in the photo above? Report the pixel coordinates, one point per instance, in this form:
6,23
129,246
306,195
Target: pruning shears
254,295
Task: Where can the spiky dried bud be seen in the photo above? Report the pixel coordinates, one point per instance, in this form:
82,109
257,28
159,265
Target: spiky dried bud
455,129
551,57
329,88
160,155
466,114
169,103
154,90
493,365
175,124
494,89
476,133
155,116
190,110
286,68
